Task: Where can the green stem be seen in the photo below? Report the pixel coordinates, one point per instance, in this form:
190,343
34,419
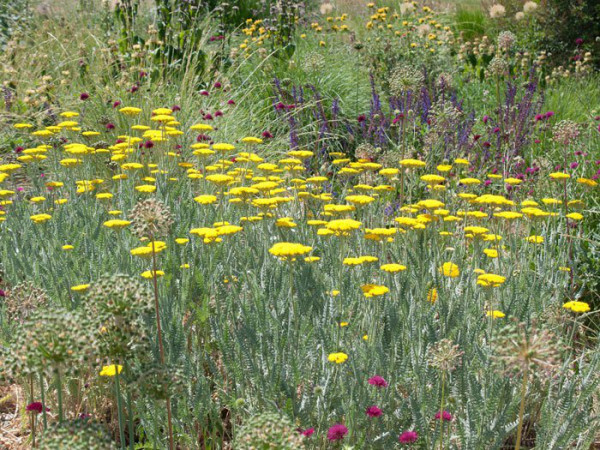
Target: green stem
442,413
522,408
43,395
160,341
119,408
59,394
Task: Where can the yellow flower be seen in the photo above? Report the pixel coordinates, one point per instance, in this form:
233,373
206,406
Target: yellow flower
360,199
490,252
149,274
432,295
577,307
490,280
575,216
111,371
412,163
430,204
116,223
559,176
310,259
40,218
535,239
450,270
80,287
393,268
67,247
373,290
343,225
337,358
182,241
205,199
285,250
146,188
495,314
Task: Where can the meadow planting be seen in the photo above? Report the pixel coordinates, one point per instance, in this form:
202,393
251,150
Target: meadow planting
285,225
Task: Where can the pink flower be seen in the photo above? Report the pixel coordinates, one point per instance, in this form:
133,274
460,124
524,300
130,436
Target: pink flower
378,381
36,407
84,96
337,432
308,432
445,415
408,437
374,411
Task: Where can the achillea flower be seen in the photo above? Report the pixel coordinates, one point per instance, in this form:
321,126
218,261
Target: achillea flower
337,432
286,250
490,280
408,437
111,371
577,307
449,270
377,381
374,411
337,358
374,290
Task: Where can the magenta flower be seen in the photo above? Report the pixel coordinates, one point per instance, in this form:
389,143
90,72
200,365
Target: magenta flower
374,411
445,415
36,407
308,432
408,437
378,381
337,432
84,96
2,293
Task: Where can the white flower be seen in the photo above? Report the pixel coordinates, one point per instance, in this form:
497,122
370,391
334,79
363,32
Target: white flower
520,15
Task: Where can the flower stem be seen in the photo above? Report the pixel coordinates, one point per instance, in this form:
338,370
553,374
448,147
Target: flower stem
119,409
442,413
522,408
160,341
59,394
43,401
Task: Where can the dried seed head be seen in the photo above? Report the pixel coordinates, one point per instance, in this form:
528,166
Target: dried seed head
405,78
519,348
80,434
24,299
151,218
445,355
268,430
566,132
498,67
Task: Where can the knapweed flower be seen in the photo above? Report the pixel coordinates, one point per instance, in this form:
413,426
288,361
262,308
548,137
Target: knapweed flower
377,381
576,306
111,371
449,270
338,357
36,407
308,432
444,415
374,411
337,432
408,437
